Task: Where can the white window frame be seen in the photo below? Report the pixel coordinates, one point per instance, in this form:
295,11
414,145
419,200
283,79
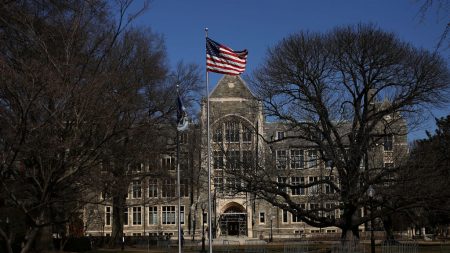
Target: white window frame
136,216
168,215
281,157
108,215
297,159
262,216
153,215
136,189
152,191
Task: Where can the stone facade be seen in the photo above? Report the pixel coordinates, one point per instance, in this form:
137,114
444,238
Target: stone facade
238,135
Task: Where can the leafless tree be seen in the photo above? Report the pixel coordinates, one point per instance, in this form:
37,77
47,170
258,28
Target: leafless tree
152,135
326,89
442,11
76,85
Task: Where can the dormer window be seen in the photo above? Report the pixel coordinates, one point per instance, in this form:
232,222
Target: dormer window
280,135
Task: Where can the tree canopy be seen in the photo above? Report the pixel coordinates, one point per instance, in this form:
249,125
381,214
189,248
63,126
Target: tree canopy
344,92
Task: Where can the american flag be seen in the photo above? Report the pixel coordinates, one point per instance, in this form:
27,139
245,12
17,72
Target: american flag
222,59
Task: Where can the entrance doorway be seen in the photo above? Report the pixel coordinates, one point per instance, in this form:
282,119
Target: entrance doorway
233,222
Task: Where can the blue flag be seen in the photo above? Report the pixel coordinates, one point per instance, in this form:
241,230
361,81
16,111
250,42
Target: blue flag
182,119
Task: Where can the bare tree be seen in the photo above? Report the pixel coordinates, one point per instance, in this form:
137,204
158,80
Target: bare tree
152,134
442,9
325,89
73,81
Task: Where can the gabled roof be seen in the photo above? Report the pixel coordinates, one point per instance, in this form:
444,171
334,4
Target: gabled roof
231,87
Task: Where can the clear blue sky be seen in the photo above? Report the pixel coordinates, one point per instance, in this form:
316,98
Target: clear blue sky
256,25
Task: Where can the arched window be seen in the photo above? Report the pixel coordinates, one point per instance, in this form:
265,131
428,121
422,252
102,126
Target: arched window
246,134
218,134
232,131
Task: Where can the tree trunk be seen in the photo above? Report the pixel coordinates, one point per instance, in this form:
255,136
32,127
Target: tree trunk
388,227
44,240
30,239
350,232
117,220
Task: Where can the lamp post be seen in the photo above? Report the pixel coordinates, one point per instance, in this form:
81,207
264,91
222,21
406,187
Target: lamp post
203,228
272,217
371,193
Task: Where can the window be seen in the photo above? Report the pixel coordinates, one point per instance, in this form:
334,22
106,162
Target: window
181,214
285,216
137,215
297,181
168,163
246,134
282,180
107,215
168,215
297,159
313,207
232,131
136,167
312,158
106,165
314,189
233,159
152,215
217,160
184,188
296,218
183,137
262,218
153,188
389,166
247,159
280,135
168,188
125,216
104,195
390,174
388,143
330,210
218,184
233,184
218,134
281,159
328,188
184,162
136,189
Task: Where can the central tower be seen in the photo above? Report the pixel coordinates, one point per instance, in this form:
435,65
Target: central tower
236,122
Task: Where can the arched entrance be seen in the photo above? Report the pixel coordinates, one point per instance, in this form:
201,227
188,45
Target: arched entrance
233,220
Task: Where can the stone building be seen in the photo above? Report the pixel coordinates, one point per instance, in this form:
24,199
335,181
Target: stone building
239,140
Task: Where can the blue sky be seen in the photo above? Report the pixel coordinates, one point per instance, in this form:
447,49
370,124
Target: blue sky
256,25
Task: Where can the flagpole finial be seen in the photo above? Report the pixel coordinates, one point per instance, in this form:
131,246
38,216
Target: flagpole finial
206,29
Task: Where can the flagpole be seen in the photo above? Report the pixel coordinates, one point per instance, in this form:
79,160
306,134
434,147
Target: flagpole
208,158
178,183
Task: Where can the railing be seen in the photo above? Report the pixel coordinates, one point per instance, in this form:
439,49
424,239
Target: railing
350,246
298,247
255,246
399,247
